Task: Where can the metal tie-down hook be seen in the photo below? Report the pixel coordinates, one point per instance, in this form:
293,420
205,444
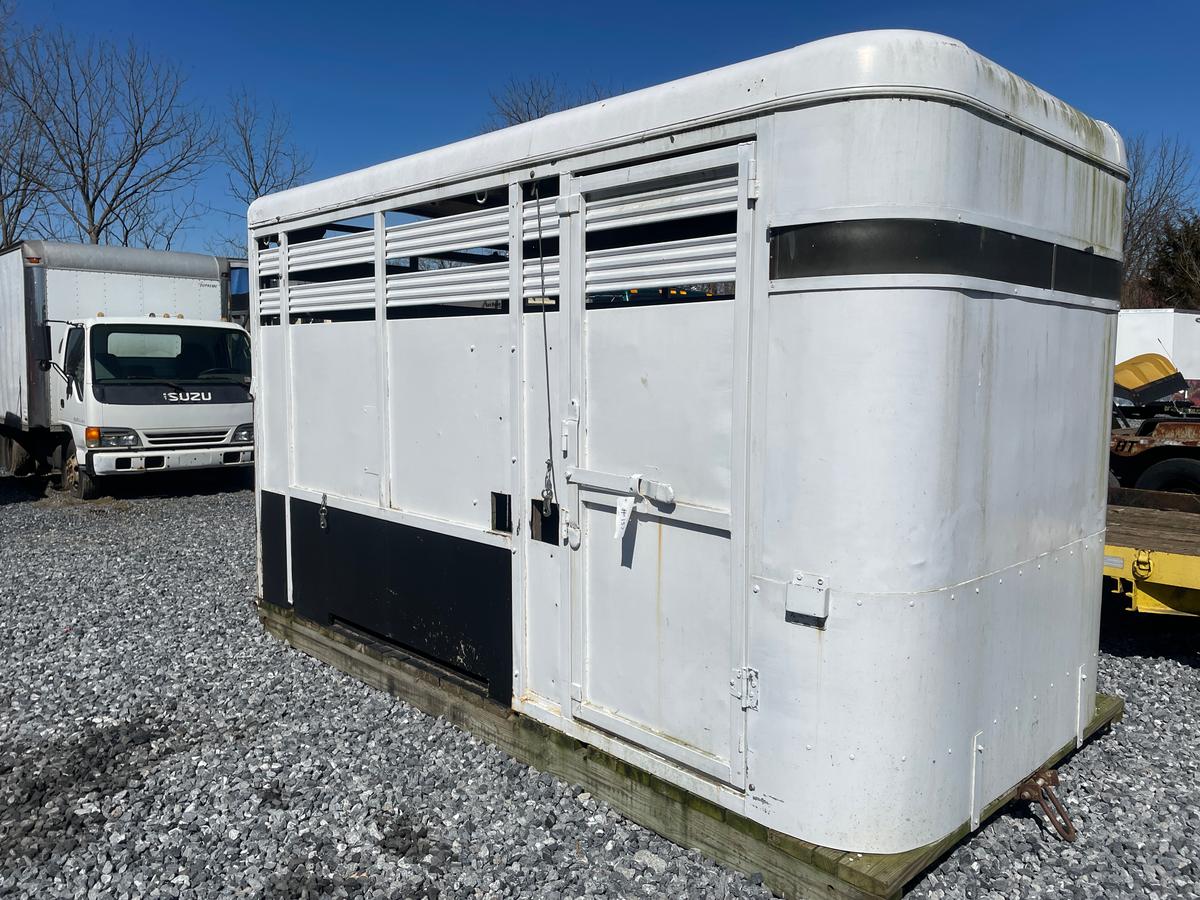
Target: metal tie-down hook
1040,788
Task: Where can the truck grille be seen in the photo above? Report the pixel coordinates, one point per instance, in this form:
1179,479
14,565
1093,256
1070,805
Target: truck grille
190,438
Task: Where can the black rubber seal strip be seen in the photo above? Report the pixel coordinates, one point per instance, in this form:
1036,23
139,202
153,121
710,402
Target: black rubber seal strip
937,247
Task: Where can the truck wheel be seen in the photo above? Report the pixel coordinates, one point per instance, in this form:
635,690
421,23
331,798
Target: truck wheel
1179,475
15,458
75,480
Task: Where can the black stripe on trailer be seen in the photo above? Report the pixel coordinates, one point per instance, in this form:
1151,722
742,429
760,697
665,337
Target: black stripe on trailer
444,597
937,247
273,531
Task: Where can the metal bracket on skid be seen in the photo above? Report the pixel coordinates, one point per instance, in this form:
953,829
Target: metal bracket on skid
1039,788
744,685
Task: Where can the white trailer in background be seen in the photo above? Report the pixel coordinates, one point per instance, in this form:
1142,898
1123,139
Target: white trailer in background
116,361
556,407
1174,333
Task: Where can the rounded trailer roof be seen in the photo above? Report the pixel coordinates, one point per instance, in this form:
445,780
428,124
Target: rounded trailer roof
864,64
128,260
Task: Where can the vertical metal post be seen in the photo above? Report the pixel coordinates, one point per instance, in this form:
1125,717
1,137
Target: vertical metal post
743,295
256,375
285,322
383,360
516,417
572,299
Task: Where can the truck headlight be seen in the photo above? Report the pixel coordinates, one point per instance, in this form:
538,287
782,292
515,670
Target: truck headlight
112,437
244,434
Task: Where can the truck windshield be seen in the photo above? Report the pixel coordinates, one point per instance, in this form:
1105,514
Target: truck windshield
171,354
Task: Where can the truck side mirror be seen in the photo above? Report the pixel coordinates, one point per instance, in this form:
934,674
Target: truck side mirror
41,347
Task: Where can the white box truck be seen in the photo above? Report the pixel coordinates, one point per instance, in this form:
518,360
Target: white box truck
116,361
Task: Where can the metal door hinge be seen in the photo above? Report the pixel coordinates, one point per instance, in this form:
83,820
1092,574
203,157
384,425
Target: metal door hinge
323,513
752,189
744,686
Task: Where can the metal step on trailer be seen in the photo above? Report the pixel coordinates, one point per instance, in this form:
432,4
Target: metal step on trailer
790,867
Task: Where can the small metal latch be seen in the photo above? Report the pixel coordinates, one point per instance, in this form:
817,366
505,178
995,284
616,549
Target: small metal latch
744,685
1039,788
323,514
1143,565
658,491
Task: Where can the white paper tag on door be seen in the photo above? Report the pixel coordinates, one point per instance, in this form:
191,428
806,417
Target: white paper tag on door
624,511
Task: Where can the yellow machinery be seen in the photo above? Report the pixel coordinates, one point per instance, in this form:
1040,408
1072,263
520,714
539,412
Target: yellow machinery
1152,554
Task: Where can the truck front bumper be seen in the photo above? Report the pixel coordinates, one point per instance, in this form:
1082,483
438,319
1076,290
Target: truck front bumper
146,459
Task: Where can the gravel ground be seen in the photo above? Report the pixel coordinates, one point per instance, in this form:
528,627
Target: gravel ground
154,742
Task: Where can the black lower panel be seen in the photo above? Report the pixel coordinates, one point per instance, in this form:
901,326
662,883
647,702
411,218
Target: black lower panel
273,526
444,597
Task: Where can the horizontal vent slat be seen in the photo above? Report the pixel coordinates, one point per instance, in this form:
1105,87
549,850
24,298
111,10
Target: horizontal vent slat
483,282
533,277
663,205
660,265
549,215
461,232
355,293
343,250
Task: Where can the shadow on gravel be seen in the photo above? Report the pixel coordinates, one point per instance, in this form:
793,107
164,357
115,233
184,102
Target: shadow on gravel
1129,634
21,490
45,785
204,482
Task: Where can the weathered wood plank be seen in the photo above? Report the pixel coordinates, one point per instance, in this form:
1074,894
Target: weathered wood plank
1164,530
790,867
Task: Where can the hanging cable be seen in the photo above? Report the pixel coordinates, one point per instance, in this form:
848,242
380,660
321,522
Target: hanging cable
548,489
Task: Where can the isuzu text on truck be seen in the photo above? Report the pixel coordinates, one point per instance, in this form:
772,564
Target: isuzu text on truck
115,361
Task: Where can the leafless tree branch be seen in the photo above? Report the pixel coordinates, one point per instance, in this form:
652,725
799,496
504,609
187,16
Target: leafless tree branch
526,99
258,151
260,158
121,139
1161,191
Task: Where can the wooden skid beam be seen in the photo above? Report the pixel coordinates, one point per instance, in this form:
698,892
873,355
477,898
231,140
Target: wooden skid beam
790,867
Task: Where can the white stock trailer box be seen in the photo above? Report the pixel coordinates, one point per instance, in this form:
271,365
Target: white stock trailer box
563,408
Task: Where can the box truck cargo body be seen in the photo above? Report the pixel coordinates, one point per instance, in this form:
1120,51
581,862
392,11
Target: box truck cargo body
553,407
115,361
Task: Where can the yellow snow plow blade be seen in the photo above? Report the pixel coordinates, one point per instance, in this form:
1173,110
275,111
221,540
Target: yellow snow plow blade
1146,378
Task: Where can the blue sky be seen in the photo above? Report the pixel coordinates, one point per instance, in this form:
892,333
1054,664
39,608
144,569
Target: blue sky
365,81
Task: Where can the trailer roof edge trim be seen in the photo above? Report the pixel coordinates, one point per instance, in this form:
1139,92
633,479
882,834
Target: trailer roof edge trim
125,260
913,64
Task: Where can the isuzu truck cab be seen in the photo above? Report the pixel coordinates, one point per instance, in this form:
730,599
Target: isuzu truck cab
115,362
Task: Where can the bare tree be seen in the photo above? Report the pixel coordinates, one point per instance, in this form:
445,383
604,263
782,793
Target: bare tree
260,158
121,139
526,99
1161,191
22,161
22,152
